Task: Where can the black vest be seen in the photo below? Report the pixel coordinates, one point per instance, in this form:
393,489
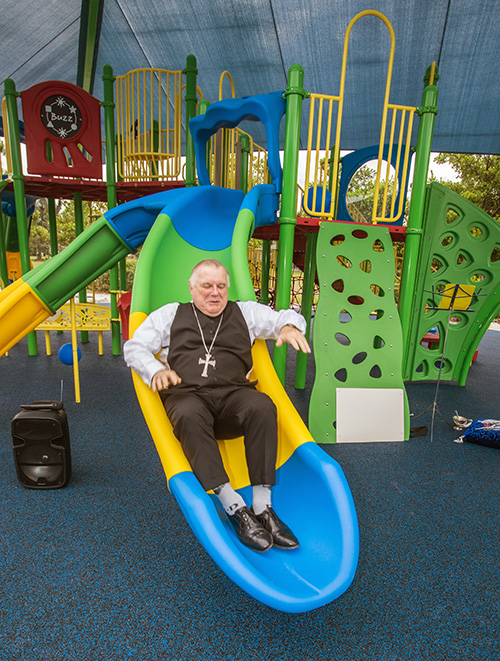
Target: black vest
231,350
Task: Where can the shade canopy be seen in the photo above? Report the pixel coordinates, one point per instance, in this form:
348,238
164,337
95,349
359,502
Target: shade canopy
258,40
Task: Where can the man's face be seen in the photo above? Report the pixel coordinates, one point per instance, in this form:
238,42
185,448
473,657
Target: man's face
209,291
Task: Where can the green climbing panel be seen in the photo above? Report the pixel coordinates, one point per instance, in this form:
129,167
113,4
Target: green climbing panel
357,334
461,246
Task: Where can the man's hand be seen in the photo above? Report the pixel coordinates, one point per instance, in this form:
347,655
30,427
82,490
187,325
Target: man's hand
293,336
163,379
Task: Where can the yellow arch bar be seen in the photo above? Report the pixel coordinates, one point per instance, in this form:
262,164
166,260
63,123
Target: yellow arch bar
320,99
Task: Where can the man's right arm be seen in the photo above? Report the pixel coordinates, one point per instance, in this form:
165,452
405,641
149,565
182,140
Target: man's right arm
146,350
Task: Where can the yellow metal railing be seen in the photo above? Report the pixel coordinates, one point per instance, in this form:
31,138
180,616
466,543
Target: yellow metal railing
403,115
320,154
148,118
77,317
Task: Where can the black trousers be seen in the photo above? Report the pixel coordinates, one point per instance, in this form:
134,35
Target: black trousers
199,418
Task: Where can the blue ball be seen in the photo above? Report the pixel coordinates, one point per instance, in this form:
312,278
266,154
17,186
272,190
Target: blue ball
66,354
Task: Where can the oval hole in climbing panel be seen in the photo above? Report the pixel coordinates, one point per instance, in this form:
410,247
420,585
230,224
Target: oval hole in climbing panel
359,358
366,266
344,317
464,259
378,291
359,234
378,246
443,364
337,240
480,278
430,340
423,369
376,314
341,375
378,342
478,232
451,216
343,261
338,285
495,255
342,339
375,372
449,240
458,320
436,265
356,300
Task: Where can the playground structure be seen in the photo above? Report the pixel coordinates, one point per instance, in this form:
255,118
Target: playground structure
355,265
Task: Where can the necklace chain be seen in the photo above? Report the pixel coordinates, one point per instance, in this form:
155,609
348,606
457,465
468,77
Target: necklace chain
209,351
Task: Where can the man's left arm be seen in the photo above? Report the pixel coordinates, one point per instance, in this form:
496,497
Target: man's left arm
284,326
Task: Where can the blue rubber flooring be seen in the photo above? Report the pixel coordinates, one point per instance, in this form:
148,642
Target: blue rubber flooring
107,569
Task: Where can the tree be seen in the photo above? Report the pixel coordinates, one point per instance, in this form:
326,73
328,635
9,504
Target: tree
39,235
479,179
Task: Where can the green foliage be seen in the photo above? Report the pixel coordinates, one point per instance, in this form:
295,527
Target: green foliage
40,234
102,283
361,195
479,179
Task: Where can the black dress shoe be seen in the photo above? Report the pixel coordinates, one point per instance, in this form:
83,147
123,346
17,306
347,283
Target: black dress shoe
282,535
250,531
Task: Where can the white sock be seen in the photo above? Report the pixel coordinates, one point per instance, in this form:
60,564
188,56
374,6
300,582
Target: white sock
261,498
230,500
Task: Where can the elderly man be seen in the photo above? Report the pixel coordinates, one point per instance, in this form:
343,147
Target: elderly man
202,375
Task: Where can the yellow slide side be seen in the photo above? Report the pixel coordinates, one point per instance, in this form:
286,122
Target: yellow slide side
291,430
21,310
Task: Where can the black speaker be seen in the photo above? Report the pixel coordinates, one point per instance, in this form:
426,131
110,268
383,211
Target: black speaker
40,437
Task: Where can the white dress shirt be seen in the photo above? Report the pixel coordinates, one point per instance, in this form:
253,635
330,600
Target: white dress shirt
147,352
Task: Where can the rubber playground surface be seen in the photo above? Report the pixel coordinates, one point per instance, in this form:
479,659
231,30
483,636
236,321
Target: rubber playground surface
107,568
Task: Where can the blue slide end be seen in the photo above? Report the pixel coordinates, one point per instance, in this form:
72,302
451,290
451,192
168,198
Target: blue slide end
313,498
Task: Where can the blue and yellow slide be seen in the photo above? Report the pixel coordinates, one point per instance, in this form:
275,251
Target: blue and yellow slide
312,495
179,228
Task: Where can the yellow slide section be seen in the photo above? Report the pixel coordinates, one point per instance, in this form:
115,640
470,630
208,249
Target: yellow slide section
21,310
291,429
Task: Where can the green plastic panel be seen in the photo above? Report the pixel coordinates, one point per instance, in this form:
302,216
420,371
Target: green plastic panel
461,246
168,259
357,335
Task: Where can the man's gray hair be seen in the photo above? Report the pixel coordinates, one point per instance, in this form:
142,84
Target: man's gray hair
207,263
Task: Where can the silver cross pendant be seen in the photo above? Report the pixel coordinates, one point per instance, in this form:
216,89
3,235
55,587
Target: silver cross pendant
206,363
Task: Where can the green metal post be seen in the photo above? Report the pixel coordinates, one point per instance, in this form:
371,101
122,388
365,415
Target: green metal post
19,197
266,267
79,227
294,95
4,271
427,112
90,27
202,109
245,156
190,72
109,128
307,303
108,104
51,205
54,248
